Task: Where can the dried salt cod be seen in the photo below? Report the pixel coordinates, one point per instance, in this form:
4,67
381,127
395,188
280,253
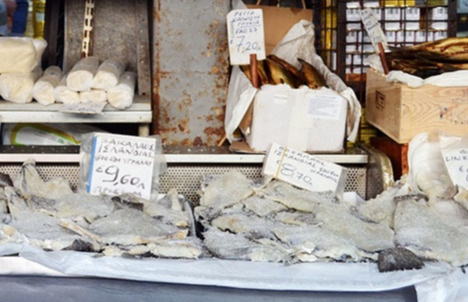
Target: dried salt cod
231,246
40,229
74,205
423,231
297,225
293,198
380,209
225,191
79,221
297,218
188,248
29,183
316,242
367,236
263,206
170,210
251,226
130,226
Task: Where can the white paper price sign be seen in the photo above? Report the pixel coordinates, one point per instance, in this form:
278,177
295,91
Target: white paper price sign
121,164
302,170
83,108
456,161
375,32
245,35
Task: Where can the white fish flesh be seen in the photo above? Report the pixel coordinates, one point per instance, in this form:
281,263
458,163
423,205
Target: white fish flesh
226,190
227,245
29,183
424,232
263,206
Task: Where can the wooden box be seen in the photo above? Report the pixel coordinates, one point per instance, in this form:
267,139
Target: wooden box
401,112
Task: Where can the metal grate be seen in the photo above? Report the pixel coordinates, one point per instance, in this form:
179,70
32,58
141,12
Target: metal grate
344,45
186,178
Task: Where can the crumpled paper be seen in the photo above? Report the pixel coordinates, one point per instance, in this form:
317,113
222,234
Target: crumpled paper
446,79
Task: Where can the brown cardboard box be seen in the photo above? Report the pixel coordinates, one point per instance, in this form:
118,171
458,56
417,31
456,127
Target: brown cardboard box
401,112
278,20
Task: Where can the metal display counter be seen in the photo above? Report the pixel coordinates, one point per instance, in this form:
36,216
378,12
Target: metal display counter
368,171
58,289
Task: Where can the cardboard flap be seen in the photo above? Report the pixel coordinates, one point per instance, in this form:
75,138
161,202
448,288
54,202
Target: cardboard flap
278,20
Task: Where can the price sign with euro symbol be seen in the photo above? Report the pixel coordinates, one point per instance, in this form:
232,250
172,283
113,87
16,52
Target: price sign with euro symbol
245,35
121,164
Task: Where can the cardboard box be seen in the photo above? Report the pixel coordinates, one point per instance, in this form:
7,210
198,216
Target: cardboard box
402,112
303,119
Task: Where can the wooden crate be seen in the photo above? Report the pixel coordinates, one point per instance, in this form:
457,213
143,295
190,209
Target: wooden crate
402,112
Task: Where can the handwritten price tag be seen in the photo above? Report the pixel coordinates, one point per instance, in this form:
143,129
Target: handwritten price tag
83,108
375,32
246,35
121,164
456,161
302,170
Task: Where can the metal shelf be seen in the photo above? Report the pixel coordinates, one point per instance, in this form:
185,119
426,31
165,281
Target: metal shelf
173,155
139,112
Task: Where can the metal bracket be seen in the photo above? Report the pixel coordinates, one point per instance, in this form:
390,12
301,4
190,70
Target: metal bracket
86,45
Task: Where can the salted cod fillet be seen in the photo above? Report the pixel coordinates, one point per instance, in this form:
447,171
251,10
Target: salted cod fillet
129,226
227,190
263,206
227,245
333,216
421,230
40,229
30,183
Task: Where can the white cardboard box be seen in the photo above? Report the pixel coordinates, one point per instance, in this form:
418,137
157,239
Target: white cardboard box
303,119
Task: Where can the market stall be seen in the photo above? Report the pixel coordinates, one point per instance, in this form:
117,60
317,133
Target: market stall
209,181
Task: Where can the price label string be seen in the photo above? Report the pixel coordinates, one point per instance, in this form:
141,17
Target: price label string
283,155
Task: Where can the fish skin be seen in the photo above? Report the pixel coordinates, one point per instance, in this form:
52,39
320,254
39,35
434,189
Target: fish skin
397,259
313,78
454,48
262,73
5,180
297,76
278,74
